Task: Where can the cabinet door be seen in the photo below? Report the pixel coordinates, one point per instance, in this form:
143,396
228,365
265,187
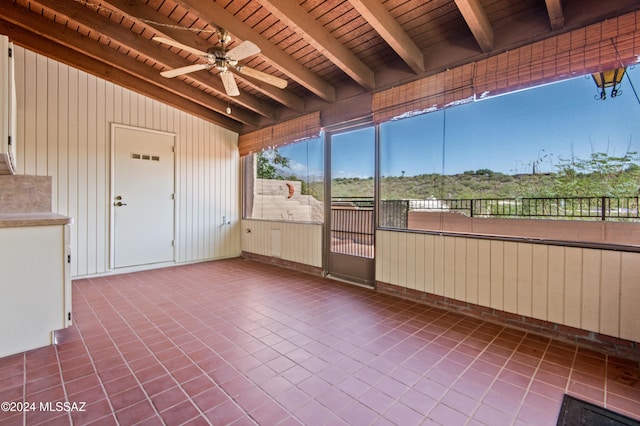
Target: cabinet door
67,277
32,268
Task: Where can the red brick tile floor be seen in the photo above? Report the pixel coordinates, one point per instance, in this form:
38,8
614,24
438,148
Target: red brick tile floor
239,342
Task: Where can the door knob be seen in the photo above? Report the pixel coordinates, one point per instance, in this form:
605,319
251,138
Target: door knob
119,204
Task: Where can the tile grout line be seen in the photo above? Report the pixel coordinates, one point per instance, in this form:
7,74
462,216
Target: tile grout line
279,374
180,349
532,378
93,365
62,382
135,377
449,388
444,313
398,398
240,373
573,363
495,376
120,353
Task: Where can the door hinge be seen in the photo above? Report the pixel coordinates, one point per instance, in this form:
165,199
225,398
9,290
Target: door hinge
68,316
9,140
68,258
173,149
10,52
173,196
173,243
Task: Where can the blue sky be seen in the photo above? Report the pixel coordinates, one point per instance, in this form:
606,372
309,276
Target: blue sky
505,133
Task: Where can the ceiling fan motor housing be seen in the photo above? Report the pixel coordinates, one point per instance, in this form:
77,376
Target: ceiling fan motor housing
221,64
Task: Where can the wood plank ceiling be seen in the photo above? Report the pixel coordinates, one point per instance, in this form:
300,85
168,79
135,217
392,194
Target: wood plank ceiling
333,54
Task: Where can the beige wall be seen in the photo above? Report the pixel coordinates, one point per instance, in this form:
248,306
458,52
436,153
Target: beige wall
294,242
595,290
598,231
64,118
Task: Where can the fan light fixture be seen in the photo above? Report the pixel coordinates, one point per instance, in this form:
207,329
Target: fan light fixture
606,79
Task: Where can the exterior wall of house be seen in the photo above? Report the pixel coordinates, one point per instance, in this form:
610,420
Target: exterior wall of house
589,289
64,119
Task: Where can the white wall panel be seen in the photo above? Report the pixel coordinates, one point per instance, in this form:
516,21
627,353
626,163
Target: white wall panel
401,258
630,296
496,275
460,277
471,286
610,293
449,266
596,290
524,279
510,264
64,118
590,300
484,272
555,285
297,242
411,261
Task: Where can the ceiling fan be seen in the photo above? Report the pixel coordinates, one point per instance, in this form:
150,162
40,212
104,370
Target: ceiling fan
223,60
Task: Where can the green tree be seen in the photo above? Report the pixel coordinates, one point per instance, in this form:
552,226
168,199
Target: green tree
598,176
484,172
269,163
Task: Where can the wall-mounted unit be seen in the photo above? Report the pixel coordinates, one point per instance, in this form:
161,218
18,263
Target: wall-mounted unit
7,108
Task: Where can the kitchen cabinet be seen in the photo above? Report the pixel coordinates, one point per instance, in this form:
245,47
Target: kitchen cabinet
35,280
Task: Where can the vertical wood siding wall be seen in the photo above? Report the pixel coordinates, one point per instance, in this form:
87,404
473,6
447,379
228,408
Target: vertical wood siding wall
595,290
295,242
64,118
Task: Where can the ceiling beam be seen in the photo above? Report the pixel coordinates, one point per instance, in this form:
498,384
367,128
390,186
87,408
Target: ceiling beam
390,30
294,16
157,23
478,23
20,17
63,54
556,16
60,34
215,14
130,40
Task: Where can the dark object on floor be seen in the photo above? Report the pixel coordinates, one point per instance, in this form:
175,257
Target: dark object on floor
577,412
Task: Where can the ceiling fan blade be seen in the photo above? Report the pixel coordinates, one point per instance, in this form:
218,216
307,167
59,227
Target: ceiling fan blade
184,70
229,83
179,46
262,76
243,50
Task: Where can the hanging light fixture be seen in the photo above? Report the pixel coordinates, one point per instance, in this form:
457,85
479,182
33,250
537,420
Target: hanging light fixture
606,79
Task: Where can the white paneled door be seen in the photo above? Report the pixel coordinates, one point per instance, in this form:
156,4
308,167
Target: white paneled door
142,196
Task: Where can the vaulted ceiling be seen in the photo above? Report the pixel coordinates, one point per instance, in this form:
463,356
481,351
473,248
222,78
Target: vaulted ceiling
332,54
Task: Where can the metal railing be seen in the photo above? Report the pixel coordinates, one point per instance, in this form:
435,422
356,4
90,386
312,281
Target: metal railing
352,202
352,226
582,208
352,218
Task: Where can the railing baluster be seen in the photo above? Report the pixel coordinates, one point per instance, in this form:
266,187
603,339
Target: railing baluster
355,221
